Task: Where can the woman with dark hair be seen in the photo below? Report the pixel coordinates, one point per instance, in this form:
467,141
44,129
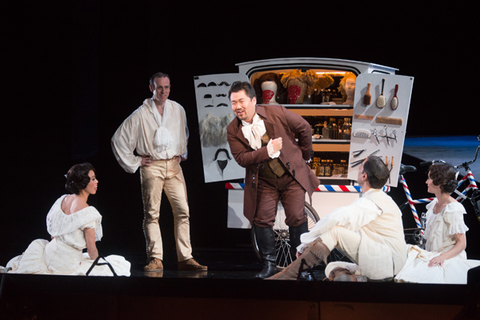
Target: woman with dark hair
73,226
444,260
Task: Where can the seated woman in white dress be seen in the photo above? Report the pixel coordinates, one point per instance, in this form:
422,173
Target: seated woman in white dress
73,226
444,260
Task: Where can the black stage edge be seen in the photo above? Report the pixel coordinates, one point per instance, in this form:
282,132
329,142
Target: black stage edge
73,297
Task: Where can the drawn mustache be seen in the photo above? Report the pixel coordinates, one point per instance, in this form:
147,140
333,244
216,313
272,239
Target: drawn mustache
224,151
218,105
213,84
209,96
203,85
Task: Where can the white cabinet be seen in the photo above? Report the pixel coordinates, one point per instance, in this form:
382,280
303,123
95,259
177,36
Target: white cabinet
299,84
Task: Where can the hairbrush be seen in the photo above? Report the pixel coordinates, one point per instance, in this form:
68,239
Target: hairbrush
362,133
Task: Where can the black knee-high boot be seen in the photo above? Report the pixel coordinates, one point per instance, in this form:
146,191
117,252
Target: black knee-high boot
315,254
266,246
295,233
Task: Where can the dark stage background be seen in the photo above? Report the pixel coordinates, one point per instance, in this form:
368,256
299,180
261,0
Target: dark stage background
72,71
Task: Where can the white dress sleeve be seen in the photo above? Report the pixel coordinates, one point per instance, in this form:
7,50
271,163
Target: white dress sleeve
453,218
89,225
59,223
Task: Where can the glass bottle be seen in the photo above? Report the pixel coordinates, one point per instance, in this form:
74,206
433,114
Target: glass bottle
312,163
342,168
332,127
340,127
327,95
321,169
328,168
335,171
325,132
316,163
347,129
316,97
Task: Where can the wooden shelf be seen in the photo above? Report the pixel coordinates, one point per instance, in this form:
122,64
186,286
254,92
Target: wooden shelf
324,145
331,147
328,112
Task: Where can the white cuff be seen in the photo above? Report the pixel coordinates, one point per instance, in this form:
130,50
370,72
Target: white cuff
272,154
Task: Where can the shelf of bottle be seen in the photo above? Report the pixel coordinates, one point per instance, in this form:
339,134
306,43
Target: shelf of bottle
317,110
331,145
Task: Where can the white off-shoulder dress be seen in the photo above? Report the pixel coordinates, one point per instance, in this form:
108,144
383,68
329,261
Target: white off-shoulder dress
440,233
64,253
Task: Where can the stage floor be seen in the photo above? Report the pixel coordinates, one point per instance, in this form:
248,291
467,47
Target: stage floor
226,292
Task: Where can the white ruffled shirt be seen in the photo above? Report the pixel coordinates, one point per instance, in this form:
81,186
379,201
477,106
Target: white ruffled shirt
254,132
144,132
163,140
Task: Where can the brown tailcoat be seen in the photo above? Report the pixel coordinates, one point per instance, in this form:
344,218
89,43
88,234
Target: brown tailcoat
279,122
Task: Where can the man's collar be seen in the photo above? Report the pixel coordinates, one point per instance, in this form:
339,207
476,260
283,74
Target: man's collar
260,110
153,105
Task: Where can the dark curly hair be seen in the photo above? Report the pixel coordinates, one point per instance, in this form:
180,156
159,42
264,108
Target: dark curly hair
77,177
443,176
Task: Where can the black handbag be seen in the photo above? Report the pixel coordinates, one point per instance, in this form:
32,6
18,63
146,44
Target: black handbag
97,263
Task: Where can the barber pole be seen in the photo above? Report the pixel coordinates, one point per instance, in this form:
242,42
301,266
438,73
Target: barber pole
411,203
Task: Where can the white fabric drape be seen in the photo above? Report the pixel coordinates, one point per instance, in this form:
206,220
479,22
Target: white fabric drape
163,139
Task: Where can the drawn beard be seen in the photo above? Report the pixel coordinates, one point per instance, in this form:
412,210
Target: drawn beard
213,130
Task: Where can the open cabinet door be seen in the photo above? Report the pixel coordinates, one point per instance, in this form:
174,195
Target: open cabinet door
380,126
214,115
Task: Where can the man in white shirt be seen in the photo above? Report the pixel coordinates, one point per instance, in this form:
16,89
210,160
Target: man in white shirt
158,132
369,231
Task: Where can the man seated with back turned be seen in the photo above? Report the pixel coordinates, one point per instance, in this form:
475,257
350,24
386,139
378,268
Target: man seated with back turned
369,232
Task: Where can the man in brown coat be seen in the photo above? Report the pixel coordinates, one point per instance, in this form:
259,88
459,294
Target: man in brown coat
263,141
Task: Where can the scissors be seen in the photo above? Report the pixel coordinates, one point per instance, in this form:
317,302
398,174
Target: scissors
358,152
358,162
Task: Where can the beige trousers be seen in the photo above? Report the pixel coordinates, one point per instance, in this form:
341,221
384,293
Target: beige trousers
345,240
165,175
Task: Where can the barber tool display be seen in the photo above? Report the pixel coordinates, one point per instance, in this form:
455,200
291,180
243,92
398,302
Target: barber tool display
362,133
381,99
397,121
383,126
367,98
394,102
